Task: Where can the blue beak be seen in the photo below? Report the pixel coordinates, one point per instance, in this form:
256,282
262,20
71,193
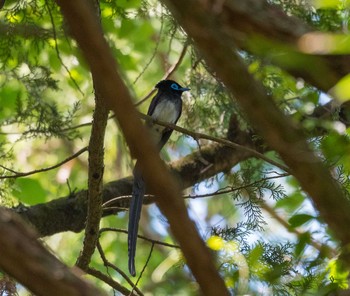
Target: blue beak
184,88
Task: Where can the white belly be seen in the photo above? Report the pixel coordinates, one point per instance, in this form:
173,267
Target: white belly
165,111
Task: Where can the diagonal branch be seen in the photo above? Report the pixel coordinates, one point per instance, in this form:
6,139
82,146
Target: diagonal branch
169,72
267,31
69,213
109,281
58,54
108,264
196,136
25,258
280,133
87,31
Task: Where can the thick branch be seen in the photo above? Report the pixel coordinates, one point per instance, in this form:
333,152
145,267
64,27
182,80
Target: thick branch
69,213
267,31
24,258
95,185
95,178
85,28
280,132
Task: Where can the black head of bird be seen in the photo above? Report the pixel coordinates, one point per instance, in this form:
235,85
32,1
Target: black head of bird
171,86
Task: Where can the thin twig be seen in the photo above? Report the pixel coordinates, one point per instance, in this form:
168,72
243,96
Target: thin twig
170,71
62,130
115,199
144,267
175,66
225,142
157,242
227,189
109,202
232,189
116,268
109,281
24,174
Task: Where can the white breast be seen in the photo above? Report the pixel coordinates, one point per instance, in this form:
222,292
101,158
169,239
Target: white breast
165,111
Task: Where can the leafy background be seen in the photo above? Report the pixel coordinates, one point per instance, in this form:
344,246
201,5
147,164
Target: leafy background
46,104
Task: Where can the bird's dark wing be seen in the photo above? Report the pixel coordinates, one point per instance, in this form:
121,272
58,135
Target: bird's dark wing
138,192
154,103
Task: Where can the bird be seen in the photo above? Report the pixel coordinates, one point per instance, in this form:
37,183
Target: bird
165,106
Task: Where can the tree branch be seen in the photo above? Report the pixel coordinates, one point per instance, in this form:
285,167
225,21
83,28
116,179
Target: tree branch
25,258
87,31
107,264
109,281
96,167
267,31
196,136
68,213
95,178
280,133
24,174
153,241
170,72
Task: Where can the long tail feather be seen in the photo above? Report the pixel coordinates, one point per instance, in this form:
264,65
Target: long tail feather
138,192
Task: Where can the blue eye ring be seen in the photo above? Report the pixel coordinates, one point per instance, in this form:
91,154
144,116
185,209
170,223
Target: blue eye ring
174,86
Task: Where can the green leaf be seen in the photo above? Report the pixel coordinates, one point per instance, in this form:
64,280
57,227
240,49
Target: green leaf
338,273
328,4
29,191
255,256
336,148
8,96
299,219
292,202
342,88
304,240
